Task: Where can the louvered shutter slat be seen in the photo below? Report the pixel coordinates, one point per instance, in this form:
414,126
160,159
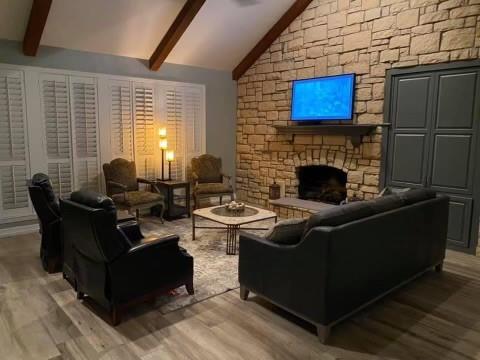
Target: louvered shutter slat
145,140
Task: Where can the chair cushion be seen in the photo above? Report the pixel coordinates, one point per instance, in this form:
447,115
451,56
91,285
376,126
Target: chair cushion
339,215
208,168
286,231
123,172
213,188
135,198
417,195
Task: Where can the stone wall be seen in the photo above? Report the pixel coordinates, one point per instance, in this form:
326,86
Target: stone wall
333,37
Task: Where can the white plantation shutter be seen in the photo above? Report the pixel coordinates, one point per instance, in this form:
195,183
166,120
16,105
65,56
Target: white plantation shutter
194,123
84,132
145,139
175,130
54,92
121,120
13,149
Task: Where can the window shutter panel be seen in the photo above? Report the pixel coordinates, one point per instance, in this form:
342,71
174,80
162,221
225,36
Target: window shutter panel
13,148
194,123
56,114
175,130
144,131
121,120
84,134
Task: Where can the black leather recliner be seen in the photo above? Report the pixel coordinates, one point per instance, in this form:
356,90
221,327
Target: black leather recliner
47,208
114,264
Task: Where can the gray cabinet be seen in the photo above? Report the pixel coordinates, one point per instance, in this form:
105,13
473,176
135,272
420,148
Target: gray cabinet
433,140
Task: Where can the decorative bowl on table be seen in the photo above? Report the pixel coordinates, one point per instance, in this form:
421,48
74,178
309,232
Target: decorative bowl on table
235,207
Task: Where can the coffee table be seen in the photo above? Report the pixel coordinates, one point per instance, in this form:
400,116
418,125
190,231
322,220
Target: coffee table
232,221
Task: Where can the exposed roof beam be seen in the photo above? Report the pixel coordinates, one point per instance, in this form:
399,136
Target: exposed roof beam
181,23
35,26
292,13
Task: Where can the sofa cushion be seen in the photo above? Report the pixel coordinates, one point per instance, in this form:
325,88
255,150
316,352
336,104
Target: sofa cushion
385,203
286,231
339,215
417,195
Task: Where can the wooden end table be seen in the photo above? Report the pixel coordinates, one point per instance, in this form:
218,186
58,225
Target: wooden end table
232,221
177,197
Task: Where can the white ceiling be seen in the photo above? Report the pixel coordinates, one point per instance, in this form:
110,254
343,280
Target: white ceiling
222,33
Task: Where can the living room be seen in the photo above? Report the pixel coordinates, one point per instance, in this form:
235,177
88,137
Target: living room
244,179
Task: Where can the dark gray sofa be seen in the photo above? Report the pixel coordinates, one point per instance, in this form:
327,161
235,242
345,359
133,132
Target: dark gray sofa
348,257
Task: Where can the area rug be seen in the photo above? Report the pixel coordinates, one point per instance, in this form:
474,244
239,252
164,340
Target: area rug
214,271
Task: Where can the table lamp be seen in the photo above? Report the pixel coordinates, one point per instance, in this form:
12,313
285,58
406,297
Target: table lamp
163,144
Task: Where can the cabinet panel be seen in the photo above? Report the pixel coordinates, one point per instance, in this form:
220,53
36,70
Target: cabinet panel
459,221
450,163
412,102
456,100
408,154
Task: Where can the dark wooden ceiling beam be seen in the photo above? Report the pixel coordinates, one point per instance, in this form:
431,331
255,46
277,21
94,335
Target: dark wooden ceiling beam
175,32
35,26
292,13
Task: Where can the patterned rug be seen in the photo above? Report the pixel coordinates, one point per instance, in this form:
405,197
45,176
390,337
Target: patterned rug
214,271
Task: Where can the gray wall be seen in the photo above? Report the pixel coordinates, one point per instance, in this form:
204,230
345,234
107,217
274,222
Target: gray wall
221,90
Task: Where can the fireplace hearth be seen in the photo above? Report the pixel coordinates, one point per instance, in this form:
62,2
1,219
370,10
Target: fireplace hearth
322,183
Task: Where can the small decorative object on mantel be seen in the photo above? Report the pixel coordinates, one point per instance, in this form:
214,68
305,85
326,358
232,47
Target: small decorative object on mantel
235,206
274,191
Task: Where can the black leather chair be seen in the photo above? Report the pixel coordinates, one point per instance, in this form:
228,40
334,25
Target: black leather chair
47,208
114,264
348,256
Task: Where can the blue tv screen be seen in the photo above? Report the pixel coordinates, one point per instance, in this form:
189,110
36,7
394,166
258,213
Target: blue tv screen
324,98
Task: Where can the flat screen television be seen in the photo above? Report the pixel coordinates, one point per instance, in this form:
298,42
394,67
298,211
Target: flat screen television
326,98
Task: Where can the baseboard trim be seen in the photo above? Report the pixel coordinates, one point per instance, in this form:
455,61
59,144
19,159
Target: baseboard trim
18,230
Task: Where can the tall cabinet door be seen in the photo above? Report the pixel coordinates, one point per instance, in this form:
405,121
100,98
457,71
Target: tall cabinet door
14,166
454,138
410,113
435,123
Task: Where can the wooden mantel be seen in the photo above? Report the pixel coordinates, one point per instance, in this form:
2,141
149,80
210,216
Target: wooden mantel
354,131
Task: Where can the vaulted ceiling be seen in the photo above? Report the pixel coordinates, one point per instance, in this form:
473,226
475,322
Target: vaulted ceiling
219,37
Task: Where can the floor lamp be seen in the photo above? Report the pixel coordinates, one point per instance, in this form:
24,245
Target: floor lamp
163,144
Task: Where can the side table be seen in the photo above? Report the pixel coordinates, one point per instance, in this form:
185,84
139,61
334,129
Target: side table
177,197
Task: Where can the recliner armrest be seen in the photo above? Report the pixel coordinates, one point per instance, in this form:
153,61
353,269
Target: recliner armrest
153,245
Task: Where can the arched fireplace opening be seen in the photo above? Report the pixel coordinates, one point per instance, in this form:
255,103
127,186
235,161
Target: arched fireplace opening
322,183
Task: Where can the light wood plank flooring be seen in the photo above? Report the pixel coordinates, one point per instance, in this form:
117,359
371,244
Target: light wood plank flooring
436,317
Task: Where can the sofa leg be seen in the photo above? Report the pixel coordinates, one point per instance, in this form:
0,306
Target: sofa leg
189,287
116,316
439,267
323,332
80,295
244,292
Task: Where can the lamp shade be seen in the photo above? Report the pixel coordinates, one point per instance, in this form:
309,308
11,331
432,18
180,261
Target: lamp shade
170,155
162,132
163,144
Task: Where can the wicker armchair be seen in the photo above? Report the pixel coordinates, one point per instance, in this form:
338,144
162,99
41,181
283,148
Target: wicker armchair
123,187
208,179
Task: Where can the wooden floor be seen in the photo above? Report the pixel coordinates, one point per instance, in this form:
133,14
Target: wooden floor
436,317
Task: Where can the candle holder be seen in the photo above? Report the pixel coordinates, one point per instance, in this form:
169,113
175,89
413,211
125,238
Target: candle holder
170,156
